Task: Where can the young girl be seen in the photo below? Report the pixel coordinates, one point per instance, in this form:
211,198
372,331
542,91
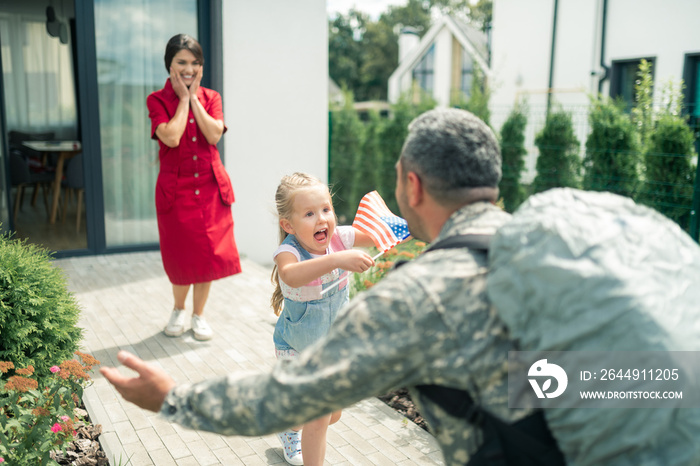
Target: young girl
313,255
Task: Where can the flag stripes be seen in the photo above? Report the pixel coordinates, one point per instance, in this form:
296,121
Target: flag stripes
376,220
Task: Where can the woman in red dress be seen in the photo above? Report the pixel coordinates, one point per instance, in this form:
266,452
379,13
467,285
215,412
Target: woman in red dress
193,191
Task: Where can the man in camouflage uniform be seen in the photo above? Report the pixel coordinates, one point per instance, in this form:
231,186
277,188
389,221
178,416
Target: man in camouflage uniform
428,322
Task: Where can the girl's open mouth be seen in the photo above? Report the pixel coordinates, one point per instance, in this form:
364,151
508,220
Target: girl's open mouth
321,235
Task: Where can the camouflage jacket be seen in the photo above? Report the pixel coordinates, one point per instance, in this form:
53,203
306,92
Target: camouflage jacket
428,322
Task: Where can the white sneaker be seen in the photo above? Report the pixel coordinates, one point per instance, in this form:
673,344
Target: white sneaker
176,324
291,445
201,329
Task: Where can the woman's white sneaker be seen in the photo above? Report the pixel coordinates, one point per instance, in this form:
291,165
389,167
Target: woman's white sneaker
176,324
201,329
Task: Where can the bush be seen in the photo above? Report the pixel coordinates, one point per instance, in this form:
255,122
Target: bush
38,410
513,152
368,159
558,164
346,141
479,96
392,137
643,110
38,316
670,174
612,150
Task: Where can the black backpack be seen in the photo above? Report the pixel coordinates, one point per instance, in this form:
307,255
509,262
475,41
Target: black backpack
527,442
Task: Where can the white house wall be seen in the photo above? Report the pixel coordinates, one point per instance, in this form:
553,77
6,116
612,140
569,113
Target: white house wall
442,80
647,28
275,58
521,47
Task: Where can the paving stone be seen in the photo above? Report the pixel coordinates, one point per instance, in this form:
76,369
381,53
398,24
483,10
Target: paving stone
126,301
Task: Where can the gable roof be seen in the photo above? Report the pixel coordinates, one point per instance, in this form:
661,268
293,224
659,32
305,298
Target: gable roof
474,41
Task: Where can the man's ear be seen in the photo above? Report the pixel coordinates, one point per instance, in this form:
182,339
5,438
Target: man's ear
287,226
414,189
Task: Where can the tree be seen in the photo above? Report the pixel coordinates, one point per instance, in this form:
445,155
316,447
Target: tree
367,175
612,149
380,59
362,53
479,13
668,157
345,52
479,95
558,164
643,111
346,141
513,152
392,137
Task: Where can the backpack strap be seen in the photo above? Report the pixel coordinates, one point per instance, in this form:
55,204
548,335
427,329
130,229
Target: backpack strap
471,241
527,442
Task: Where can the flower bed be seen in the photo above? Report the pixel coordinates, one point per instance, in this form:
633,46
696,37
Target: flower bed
40,414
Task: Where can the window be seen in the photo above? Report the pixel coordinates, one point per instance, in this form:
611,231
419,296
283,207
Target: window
38,76
467,73
423,72
623,77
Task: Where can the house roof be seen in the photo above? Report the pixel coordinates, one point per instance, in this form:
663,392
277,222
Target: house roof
474,41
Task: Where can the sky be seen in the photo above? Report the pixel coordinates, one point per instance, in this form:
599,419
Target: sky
372,7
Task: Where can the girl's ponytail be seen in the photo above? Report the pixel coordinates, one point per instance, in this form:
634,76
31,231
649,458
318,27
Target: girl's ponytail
277,299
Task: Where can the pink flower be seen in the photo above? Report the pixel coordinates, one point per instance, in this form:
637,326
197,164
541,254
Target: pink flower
56,428
2,460
54,369
65,418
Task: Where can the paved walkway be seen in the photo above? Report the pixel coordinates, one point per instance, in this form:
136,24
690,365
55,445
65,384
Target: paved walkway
125,301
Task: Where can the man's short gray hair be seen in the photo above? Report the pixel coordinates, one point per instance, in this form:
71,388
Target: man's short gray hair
453,152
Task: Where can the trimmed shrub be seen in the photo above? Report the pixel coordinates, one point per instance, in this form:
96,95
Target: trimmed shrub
513,152
38,316
670,174
392,137
346,142
643,110
558,164
612,150
368,158
479,96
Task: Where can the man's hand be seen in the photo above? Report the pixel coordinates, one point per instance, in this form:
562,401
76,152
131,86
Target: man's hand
148,390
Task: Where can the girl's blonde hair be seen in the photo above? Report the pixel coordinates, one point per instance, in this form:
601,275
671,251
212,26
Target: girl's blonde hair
284,201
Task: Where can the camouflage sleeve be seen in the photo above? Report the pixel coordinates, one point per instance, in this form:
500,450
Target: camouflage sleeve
379,342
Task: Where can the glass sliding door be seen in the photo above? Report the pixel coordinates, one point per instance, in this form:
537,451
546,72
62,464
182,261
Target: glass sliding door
130,40
41,123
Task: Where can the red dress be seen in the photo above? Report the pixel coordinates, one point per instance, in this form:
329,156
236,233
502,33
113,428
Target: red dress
193,197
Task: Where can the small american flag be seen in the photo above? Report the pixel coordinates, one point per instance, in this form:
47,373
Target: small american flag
375,219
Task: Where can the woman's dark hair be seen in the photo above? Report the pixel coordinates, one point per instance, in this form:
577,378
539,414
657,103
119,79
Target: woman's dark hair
182,42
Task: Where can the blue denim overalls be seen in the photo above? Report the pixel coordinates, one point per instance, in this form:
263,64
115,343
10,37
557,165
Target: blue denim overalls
302,323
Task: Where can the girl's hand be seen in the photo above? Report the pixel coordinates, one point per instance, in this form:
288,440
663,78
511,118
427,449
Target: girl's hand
179,85
195,84
353,260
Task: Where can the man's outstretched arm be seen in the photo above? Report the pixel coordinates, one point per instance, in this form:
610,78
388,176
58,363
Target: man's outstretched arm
148,390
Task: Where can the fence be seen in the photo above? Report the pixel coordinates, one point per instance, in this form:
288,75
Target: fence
362,154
